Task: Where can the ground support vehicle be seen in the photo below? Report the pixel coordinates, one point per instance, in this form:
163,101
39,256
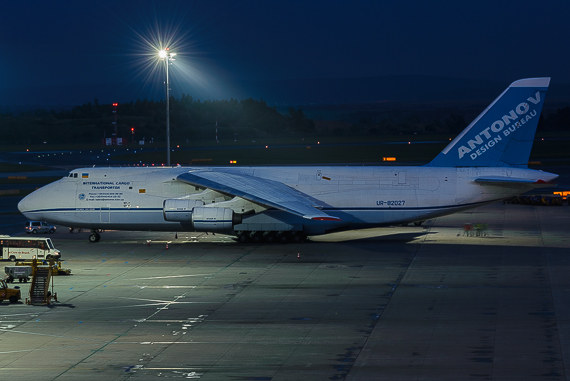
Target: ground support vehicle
35,227
56,266
27,248
22,273
11,294
40,293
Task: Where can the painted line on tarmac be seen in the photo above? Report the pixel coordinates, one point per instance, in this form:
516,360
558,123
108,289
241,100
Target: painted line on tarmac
170,276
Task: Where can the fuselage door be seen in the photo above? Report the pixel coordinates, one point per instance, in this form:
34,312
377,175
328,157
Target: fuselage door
401,177
106,213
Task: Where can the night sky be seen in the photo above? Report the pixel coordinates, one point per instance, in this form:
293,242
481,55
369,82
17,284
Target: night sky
61,53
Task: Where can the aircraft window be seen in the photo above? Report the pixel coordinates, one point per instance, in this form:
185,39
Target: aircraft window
75,175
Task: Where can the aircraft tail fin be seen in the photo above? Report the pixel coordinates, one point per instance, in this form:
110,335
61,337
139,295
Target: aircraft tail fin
502,135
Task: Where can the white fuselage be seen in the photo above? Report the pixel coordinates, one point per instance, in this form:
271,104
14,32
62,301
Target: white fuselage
133,198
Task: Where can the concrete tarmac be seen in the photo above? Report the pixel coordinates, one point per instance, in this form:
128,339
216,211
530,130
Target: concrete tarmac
401,303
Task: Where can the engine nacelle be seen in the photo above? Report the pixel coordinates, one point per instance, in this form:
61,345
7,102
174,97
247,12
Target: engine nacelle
177,210
214,219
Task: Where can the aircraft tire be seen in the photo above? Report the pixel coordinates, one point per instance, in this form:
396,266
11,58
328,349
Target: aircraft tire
268,236
256,236
94,237
299,237
283,237
243,236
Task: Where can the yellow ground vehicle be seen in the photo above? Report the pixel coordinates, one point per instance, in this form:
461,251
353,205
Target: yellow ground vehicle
11,294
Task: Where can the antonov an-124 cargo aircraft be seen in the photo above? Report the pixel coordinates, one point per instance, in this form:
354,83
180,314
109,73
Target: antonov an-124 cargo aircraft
486,162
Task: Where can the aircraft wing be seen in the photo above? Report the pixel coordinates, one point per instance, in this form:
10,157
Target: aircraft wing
265,192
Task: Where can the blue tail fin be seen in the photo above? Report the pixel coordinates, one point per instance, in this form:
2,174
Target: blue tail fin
503,134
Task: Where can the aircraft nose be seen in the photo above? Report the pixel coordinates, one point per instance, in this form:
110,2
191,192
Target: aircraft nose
28,206
49,203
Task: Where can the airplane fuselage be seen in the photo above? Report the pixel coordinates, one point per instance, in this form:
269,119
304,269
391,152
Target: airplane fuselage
137,198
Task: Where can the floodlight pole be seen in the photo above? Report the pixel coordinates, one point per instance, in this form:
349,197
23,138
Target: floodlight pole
167,56
166,62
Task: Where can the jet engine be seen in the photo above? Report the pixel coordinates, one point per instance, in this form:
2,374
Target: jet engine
179,210
209,219
214,219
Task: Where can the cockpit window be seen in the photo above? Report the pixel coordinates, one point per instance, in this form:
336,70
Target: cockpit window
74,175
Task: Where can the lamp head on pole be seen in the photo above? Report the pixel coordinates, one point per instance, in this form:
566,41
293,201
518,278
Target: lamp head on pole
166,54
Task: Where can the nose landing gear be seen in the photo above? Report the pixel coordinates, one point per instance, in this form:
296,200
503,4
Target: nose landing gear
94,236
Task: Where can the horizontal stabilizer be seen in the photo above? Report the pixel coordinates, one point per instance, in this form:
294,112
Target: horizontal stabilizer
500,180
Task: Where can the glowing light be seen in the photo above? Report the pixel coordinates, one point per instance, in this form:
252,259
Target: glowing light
193,71
166,53
564,194
388,158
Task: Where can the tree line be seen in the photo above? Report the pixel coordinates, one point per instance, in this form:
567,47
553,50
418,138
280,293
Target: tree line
236,120
190,119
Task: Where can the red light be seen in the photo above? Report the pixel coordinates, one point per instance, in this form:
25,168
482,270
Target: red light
330,218
115,104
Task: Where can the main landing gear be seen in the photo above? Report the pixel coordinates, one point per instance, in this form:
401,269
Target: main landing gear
271,236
